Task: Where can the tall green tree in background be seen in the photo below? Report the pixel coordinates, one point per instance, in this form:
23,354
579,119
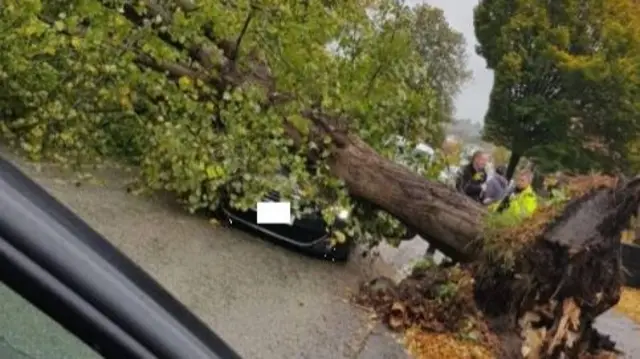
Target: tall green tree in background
565,79
219,95
444,53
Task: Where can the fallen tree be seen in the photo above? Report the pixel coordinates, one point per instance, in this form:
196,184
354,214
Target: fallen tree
550,294
562,279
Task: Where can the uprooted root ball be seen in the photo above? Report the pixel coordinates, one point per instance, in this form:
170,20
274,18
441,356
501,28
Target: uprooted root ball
565,272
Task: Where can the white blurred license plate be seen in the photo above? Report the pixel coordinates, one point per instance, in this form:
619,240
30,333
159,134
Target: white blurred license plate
274,213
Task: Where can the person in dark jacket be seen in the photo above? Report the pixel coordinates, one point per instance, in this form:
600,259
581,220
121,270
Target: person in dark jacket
496,186
472,179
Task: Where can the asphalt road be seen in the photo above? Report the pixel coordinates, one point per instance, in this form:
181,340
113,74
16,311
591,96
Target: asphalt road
266,301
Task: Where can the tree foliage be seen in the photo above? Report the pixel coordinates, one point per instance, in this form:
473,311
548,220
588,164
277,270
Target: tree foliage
444,53
192,91
633,150
566,79
500,156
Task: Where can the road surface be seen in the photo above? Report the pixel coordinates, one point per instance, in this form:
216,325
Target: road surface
265,301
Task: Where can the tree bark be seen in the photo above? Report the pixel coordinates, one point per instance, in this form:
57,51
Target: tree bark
514,159
451,221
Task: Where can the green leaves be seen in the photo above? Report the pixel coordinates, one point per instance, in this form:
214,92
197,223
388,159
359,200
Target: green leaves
214,172
183,93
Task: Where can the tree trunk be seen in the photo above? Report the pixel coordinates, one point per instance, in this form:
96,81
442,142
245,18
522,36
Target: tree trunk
450,220
514,159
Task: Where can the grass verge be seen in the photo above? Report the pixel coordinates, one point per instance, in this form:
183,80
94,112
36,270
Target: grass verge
629,303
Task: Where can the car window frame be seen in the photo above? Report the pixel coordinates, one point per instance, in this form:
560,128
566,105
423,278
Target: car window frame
62,266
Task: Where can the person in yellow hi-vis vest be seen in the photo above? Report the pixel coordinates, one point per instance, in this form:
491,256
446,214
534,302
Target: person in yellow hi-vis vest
523,201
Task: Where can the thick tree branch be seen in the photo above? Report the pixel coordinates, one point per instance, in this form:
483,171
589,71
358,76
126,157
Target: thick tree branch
372,80
175,71
198,52
156,10
141,20
226,45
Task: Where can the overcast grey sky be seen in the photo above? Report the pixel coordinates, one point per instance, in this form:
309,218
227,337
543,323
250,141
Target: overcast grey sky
473,100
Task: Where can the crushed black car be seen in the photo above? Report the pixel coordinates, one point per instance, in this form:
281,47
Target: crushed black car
308,232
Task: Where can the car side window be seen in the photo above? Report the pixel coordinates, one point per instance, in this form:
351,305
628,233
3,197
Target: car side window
28,333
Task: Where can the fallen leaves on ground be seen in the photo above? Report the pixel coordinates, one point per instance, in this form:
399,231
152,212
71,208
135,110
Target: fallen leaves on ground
630,303
434,299
603,355
435,308
428,345
628,236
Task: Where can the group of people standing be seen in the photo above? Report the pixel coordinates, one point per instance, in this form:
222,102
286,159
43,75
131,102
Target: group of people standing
475,182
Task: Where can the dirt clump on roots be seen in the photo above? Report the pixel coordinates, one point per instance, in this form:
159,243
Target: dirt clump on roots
554,272
514,250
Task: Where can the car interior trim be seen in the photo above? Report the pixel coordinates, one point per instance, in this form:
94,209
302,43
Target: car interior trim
35,224
60,303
